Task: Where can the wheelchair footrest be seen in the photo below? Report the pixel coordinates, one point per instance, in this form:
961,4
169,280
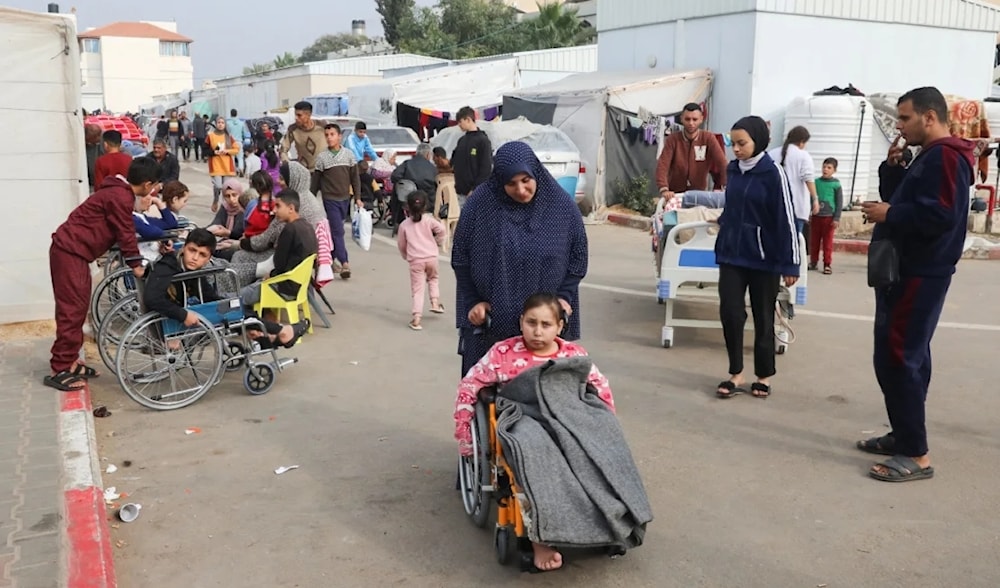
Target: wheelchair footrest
287,361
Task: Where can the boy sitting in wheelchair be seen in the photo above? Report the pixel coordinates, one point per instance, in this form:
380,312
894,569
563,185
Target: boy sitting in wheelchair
166,296
540,347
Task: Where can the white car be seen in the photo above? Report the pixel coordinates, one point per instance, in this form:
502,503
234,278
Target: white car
554,148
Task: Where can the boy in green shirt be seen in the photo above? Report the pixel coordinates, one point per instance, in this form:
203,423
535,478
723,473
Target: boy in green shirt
824,224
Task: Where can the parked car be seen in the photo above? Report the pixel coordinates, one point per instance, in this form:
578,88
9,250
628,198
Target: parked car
554,148
402,139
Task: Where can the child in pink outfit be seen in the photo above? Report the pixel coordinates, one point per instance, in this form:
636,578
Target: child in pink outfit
419,238
537,343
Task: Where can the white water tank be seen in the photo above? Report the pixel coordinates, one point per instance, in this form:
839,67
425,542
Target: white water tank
835,124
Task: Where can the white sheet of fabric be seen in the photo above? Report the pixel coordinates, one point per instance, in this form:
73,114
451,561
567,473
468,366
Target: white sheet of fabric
265,268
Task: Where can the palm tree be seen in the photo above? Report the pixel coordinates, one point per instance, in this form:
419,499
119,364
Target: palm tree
258,68
285,60
556,25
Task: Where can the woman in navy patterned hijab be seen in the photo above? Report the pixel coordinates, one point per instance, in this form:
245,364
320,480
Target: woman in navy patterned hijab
519,233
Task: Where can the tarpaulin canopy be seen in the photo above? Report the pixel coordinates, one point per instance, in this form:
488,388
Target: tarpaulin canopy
39,97
605,113
437,92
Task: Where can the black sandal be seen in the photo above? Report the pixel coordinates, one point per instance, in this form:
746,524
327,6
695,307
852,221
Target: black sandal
901,469
298,329
84,372
760,390
884,445
728,389
63,381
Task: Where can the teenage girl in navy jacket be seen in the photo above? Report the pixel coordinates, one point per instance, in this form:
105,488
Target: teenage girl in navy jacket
757,245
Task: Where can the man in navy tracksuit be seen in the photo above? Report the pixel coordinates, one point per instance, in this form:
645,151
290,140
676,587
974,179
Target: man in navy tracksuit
925,213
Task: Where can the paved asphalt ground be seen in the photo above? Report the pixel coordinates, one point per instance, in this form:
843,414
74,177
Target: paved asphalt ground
745,492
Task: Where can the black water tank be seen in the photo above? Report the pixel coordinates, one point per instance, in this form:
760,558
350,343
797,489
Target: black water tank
53,8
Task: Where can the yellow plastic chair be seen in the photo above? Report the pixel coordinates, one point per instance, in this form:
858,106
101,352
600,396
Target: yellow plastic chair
270,299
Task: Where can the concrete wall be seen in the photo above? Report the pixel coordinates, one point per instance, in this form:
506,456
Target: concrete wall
133,71
875,57
725,44
759,70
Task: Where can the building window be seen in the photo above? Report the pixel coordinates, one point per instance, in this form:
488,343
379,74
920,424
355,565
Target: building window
174,49
91,46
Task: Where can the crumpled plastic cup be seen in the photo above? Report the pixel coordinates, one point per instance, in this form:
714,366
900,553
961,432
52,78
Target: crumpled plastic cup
129,512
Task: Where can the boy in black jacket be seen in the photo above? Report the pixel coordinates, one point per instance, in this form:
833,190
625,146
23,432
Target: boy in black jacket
166,296
473,156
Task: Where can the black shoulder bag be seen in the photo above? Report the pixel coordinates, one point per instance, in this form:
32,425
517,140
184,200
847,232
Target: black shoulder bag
883,264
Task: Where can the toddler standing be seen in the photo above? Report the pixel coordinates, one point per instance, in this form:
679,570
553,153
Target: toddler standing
824,223
420,236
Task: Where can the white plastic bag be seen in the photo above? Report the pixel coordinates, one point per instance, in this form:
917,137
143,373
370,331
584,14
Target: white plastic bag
361,229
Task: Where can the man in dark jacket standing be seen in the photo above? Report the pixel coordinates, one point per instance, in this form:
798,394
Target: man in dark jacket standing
925,215
199,131
473,156
105,218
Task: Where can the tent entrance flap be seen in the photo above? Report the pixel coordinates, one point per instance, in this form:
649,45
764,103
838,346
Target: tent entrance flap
629,153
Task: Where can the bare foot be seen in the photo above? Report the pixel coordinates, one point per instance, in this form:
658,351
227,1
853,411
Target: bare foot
546,558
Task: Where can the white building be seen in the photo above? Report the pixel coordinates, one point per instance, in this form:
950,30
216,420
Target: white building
765,53
256,93
125,64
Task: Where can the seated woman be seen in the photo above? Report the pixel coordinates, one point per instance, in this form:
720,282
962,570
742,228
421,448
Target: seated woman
538,342
229,222
382,168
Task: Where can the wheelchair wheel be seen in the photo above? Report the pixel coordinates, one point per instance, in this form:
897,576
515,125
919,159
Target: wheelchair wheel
116,322
235,355
501,541
164,368
475,471
117,285
259,378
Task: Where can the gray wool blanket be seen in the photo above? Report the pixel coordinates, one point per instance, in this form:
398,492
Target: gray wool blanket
570,458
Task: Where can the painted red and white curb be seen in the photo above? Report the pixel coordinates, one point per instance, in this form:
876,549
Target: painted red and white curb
89,562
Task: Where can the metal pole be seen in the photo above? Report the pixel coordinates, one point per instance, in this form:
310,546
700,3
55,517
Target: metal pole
857,150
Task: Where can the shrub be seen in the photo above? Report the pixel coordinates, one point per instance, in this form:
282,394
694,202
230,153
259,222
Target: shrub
634,194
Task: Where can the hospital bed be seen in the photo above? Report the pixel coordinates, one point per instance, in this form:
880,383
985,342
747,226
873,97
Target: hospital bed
687,270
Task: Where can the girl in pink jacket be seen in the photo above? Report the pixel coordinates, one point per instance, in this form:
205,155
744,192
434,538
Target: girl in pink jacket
419,238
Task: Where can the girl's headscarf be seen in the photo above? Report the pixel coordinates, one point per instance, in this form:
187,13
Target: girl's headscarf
309,206
298,178
382,163
232,210
758,131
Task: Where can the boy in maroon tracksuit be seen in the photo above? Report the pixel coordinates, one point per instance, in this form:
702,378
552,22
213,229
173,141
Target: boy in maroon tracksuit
104,219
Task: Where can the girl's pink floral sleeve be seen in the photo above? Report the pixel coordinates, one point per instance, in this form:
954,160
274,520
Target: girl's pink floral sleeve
597,380
480,376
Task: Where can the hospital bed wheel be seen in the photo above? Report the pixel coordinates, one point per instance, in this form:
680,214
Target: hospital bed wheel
235,355
667,337
501,541
259,378
116,322
164,366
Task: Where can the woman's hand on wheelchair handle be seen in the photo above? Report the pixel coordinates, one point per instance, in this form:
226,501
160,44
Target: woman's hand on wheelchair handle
566,307
477,315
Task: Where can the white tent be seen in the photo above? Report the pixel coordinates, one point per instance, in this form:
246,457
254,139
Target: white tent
445,90
43,179
591,107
